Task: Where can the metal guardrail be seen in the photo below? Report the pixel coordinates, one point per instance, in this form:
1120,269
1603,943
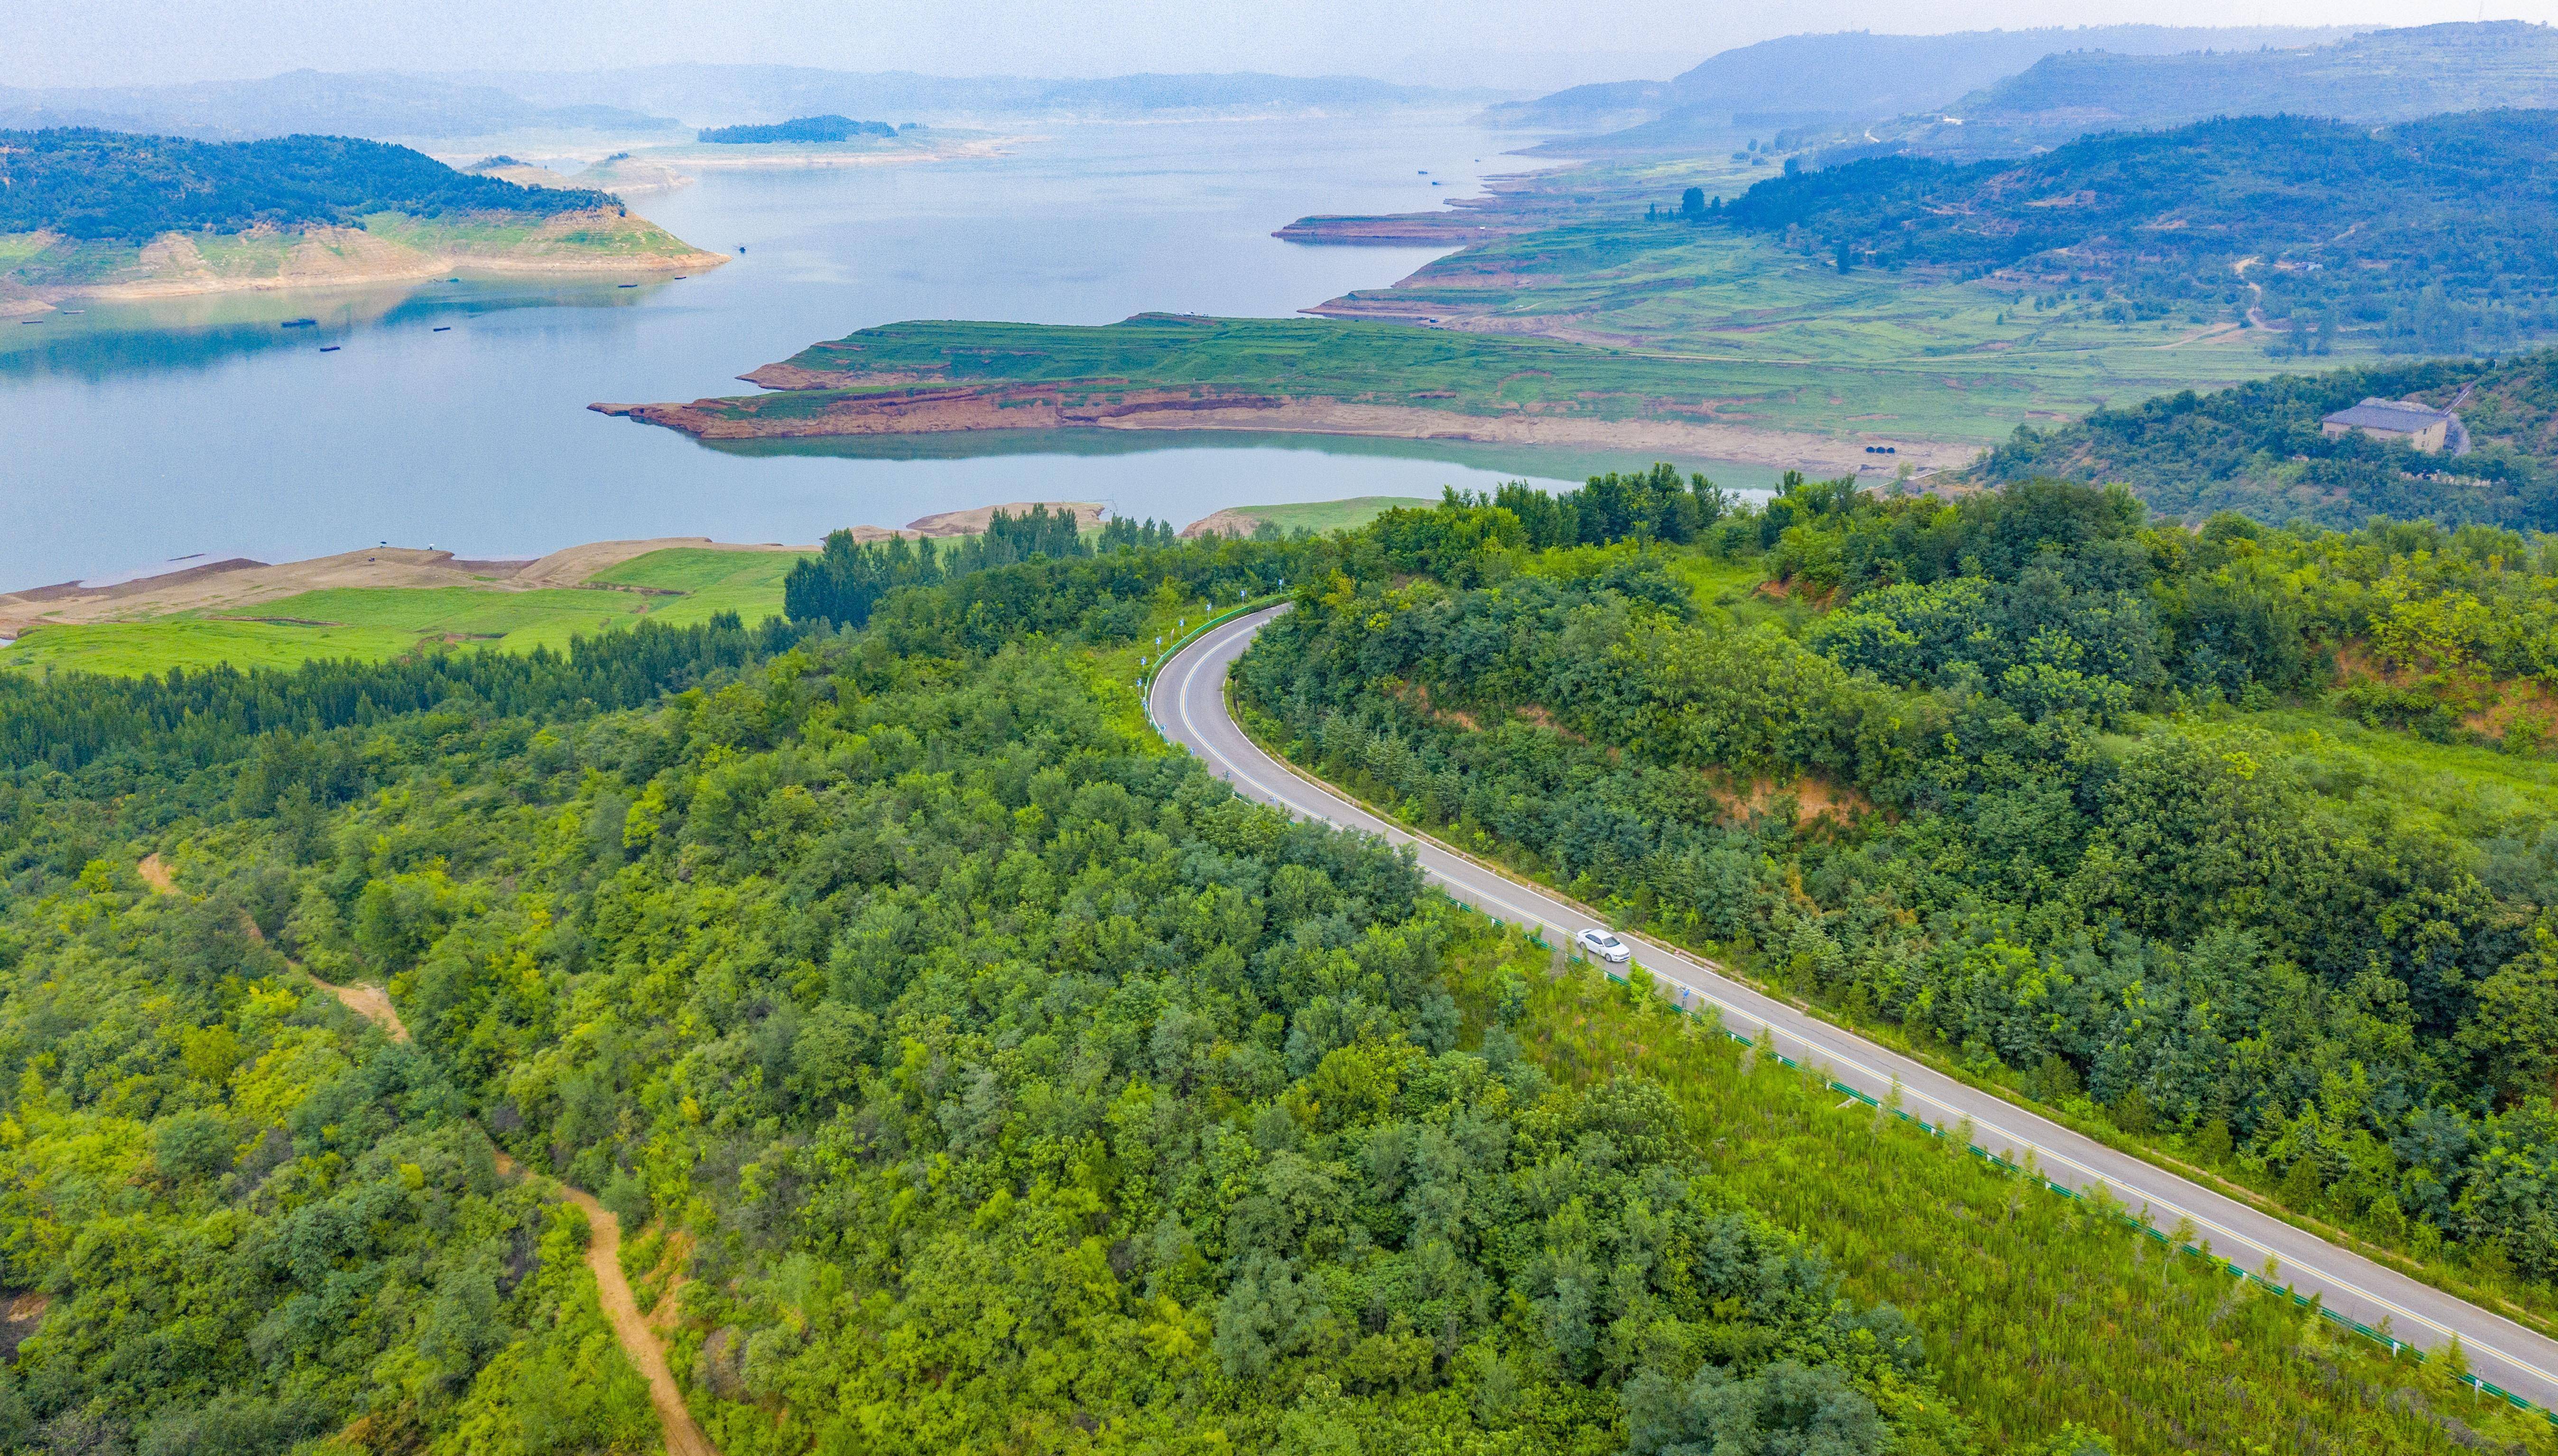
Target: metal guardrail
1146,678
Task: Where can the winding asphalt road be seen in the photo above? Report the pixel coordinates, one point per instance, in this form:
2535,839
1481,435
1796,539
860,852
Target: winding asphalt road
1188,703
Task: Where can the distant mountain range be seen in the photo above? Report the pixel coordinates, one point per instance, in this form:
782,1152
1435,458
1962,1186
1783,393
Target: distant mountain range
2378,76
646,102
1807,79
733,93
375,105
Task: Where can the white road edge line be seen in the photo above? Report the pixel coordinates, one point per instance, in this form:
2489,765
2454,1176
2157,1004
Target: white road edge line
2202,1223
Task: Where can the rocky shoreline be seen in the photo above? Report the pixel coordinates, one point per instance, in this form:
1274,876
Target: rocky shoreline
941,408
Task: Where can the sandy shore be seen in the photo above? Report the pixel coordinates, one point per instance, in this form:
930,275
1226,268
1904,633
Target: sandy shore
172,266
227,585
222,587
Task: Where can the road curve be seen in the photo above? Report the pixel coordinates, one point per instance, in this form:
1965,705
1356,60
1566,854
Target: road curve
1187,704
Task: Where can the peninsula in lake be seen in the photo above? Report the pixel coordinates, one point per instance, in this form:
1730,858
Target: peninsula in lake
91,213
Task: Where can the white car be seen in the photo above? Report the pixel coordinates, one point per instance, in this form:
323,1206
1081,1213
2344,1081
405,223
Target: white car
1605,945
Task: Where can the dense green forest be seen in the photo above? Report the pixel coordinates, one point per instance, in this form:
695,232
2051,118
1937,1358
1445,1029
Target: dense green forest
1970,797
800,129
977,1073
844,582
87,183
2256,449
2430,236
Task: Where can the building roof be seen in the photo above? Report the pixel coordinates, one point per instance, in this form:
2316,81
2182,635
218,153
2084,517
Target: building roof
2399,416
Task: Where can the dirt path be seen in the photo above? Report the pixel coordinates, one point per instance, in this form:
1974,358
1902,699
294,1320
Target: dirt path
639,1341
372,1003
603,1250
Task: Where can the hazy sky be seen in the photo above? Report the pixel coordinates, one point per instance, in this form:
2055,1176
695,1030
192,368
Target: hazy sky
117,42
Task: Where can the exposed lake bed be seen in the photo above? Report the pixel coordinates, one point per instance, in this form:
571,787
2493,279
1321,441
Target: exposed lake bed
453,413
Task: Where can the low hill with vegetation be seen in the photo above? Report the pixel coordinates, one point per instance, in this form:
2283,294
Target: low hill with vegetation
969,1072
2385,76
2432,237
801,129
102,185
2259,448
1974,769
83,210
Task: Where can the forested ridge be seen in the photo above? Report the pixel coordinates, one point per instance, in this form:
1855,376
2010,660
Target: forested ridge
93,184
972,1072
2257,448
1973,797
2429,236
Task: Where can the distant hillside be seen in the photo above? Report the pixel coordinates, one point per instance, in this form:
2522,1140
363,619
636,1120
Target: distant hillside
2432,237
2379,77
2257,448
1801,79
798,129
100,185
369,104
776,92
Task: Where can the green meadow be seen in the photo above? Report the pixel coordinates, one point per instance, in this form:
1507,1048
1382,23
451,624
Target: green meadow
1320,516
1617,321
677,586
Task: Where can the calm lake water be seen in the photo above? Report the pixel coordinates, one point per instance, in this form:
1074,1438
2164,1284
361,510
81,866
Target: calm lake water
131,436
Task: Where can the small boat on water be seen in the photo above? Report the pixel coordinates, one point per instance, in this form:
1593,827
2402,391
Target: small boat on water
331,348
444,328
298,324
625,285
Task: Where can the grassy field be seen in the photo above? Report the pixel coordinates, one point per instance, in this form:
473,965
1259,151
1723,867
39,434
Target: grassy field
1622,322
677,586
1320,516
747,582
1939,352
1580,305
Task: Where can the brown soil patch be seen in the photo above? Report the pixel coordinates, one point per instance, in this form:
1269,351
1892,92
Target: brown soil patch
962,409
1417,695
1814,798
1231,521
1536,716
372,1003
155,874
975,520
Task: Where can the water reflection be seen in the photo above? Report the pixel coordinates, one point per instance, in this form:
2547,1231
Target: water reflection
1546,463
96,339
